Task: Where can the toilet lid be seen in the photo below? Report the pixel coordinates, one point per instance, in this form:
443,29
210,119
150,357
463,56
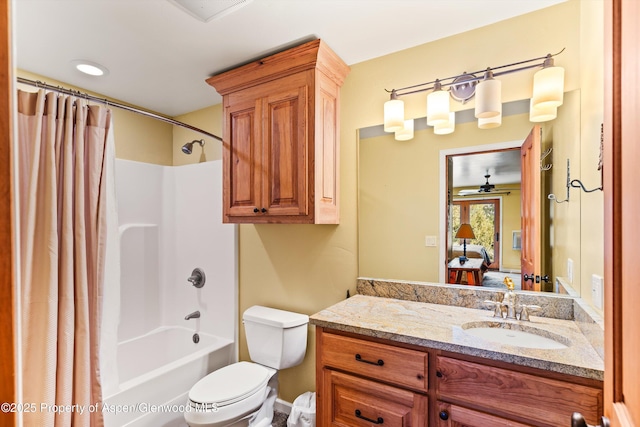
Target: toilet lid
230,384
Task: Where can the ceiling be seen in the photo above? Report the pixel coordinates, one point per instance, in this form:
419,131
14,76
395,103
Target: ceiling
469,170
159,56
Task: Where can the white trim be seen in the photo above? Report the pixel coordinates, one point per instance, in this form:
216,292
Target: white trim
442,263
282,406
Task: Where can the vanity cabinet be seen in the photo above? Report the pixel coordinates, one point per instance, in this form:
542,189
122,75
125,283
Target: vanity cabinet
362,381
281,137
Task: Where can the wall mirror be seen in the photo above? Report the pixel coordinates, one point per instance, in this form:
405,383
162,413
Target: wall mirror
408,189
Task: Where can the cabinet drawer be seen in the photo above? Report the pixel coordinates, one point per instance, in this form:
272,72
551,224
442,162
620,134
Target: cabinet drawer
356,401
458,416
382,362
508,392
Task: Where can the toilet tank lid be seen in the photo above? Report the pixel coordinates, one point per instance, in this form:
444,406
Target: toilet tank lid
274,317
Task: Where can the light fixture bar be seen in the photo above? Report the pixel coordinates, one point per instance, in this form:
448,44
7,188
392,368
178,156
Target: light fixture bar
449,81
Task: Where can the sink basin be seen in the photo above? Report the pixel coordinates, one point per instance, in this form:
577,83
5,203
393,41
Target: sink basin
516,334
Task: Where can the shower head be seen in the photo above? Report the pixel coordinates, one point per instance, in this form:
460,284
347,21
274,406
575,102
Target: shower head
188,147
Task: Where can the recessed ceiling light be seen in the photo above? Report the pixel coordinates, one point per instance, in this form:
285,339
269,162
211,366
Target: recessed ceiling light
91,68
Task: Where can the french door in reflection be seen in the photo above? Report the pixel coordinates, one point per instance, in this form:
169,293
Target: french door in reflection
484,217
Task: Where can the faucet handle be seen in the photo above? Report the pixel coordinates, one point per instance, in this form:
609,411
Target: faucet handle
529,309
508,281
496,306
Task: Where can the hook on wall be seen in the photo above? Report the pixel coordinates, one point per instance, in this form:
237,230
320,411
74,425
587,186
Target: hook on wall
544,155
576,183
553,196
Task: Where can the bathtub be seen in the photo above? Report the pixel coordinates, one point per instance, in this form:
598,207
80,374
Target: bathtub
156,371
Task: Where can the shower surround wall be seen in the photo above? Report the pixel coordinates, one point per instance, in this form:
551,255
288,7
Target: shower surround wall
170,222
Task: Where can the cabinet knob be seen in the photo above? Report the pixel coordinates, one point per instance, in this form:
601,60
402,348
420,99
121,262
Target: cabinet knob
256,210
438,374
263,210
444,415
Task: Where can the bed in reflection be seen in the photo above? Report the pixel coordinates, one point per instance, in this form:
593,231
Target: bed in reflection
473,251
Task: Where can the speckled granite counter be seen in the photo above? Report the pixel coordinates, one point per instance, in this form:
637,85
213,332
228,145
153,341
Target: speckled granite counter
439,326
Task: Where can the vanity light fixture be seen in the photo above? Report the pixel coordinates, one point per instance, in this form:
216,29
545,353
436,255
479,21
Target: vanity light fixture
548,90
406,133
445,128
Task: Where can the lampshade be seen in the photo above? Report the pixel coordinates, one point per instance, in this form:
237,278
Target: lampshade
548,86
393,114
465,232
406,133
491,122
488,97
444,128
542,113
437,105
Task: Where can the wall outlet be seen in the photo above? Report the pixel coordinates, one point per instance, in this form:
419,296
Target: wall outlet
597,291
570,270
430,241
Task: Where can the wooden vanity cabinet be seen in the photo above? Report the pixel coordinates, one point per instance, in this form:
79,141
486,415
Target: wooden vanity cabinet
281,137
406,385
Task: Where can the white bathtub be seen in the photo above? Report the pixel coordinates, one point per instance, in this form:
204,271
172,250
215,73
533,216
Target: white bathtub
156,371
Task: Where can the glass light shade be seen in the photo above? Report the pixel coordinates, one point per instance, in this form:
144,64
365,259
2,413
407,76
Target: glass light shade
393,115
542,113
444,128
548,87
488,98
405,133
491,122
437,107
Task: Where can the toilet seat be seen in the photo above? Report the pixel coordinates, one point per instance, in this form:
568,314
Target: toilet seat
229,385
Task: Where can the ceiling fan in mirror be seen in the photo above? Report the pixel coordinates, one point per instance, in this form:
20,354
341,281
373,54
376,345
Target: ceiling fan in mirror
483,189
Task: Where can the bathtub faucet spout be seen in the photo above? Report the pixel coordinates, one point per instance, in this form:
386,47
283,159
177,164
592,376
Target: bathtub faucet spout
194,315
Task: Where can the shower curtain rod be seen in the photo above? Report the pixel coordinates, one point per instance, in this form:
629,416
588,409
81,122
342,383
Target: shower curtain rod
105,101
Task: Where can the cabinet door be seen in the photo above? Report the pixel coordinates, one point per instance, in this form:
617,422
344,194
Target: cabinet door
353,401
458,416
285,150
241,155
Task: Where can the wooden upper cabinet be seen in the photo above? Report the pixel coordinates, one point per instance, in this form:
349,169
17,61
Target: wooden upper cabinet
281,137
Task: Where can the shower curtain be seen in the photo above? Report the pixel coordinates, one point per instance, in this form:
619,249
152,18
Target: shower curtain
63,157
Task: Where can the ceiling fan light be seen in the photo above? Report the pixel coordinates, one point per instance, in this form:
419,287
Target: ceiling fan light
542,113
393,114
437,105
488,97
491,122
406,133
548,86
445,128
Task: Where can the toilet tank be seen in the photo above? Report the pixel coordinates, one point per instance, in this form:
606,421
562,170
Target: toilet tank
275,338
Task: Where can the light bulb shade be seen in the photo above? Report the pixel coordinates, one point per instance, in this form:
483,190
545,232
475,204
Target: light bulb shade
548,87
393,115
542,113
406,133
444,128
491,122
437,107
465,232
488,98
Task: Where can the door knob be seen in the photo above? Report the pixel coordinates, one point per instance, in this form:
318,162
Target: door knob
577,420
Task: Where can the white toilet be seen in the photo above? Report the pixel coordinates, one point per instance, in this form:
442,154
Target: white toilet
242,394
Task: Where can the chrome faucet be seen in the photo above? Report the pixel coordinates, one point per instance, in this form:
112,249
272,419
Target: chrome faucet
510,308
194,315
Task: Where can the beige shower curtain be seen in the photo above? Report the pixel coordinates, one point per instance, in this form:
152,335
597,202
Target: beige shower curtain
62,157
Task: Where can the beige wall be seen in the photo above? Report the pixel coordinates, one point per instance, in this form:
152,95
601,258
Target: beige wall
208,119
137,137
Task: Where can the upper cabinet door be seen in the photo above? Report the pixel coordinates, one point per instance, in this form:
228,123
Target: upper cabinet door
281,137
622,210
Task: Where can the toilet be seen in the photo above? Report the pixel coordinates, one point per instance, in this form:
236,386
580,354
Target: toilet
243,393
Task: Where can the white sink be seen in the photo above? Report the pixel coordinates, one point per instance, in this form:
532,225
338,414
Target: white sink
516,334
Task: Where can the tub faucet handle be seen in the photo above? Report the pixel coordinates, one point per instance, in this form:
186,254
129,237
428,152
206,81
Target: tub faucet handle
194,315
197,278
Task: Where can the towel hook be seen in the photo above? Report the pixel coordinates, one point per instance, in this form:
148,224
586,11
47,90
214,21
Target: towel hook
553,196
544,155
576,183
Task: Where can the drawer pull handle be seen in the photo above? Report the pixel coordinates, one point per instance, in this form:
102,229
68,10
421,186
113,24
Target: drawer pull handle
359,358
380,420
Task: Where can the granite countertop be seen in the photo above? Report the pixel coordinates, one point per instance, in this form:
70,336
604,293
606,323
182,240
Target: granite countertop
439,326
